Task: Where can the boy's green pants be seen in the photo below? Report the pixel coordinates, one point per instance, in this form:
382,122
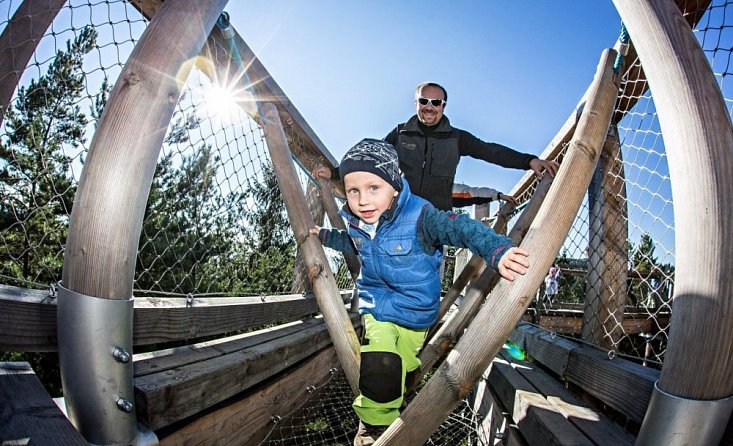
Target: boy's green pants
389,353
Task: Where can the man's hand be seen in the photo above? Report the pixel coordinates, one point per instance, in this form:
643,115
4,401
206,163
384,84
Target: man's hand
514,260
538,166
508,198
314,230
321,171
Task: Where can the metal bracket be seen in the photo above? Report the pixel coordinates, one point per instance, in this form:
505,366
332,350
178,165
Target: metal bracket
675,421
95,336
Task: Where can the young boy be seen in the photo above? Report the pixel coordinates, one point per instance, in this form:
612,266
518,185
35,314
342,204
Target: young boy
399,237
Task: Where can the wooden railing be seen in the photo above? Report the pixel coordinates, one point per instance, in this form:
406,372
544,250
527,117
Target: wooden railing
243,343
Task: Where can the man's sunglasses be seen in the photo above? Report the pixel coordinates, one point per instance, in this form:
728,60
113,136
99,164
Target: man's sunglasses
434,102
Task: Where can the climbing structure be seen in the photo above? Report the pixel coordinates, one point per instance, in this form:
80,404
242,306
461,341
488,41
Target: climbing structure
138,216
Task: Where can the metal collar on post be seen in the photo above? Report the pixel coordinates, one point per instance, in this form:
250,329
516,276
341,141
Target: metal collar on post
675,421
95,351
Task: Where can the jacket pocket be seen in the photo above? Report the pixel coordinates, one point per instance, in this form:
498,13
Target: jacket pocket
398,253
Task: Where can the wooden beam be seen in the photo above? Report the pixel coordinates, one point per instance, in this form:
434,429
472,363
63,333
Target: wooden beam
623,385
509,300
28,317
329,204
109,205
301,282
18,42
248,420
699,141
168,359
451,330
327,294
29,415
166,397
608,217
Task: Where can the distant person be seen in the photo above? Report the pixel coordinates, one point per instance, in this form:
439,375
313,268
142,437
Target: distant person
429,150
552,283
399,238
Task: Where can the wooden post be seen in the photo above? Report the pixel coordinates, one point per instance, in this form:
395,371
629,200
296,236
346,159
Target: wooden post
329,300
315,207
506,304
18,42
699,142
331,208
446,335
605,296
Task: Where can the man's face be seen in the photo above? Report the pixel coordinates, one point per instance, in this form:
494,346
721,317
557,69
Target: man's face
430,114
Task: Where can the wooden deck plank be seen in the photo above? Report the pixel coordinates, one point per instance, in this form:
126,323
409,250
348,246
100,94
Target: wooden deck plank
594,425
174,394
552,351
248,420
28,415
623,385
538,420
162,360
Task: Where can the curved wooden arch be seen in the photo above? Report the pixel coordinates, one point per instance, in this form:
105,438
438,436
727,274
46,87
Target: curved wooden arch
106,219
18,42
699,141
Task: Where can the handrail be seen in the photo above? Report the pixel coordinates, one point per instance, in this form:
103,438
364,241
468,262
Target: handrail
28,317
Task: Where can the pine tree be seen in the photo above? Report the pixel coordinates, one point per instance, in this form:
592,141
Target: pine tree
37,189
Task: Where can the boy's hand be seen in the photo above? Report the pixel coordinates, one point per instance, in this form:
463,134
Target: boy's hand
514,260
314,230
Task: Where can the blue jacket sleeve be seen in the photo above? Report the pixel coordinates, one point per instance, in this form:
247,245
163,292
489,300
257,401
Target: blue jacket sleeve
338,240
438,228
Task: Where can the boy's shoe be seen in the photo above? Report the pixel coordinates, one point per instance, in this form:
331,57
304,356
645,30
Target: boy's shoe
367,434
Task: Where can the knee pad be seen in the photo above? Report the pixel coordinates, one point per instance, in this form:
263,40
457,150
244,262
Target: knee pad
380,376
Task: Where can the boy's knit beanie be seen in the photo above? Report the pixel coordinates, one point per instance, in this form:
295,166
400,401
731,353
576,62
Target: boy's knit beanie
373,156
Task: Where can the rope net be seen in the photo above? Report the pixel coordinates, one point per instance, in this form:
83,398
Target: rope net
620,249
215,223
328,419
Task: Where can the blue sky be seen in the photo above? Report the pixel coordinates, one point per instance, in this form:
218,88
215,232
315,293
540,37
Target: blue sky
514,71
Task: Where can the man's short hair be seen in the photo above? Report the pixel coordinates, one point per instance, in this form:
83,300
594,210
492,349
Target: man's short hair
419,88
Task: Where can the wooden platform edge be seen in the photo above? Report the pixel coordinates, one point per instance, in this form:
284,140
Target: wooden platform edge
250,419
28,317
29,415
621,384
175,394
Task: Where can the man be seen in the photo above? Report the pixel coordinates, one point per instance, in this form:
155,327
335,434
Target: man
429,150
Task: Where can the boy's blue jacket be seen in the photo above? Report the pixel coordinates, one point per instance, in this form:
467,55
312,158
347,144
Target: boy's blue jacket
399,280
